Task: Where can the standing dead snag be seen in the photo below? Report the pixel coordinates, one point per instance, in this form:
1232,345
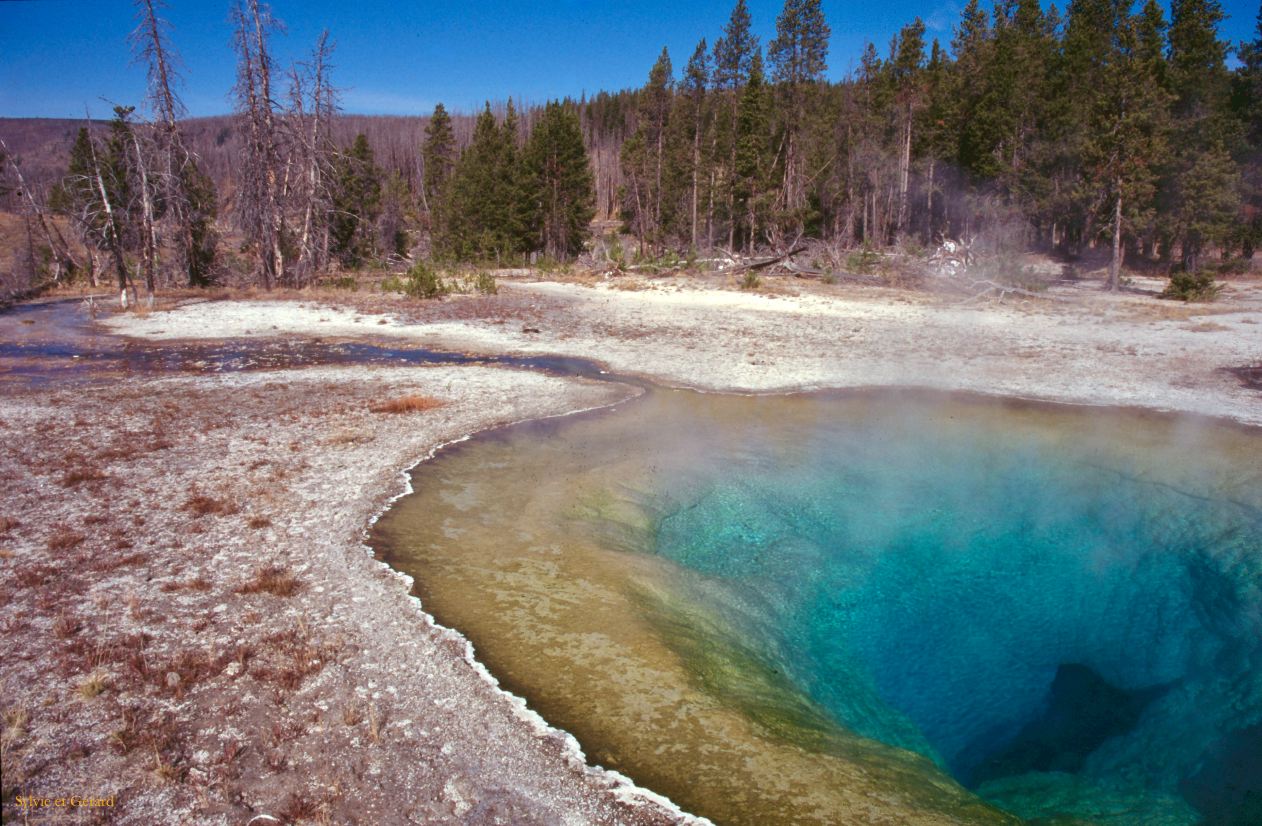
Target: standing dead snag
283,194
186,197
313,103
111,232
63,259
259,204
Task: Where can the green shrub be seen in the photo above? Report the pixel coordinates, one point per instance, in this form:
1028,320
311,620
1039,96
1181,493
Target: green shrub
750,281
484,283
419,282
345,282
1233,266
1192,286
423,282
864,261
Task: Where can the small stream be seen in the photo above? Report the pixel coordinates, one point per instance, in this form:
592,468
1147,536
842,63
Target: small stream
58,342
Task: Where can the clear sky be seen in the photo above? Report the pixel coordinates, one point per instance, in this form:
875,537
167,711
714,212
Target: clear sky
400,57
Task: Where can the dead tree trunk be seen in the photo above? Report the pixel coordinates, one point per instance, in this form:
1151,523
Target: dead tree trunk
113,240
904,175
1115,264
149,233
57,246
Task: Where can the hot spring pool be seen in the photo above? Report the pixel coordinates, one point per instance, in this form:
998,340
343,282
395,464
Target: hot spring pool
869,607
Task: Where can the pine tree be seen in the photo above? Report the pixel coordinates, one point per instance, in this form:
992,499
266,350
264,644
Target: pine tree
733,55
200,209
799,57
695,81
935,140
1127,131
908,77
752,138
439,156
1247,104
972,46
558,179
482,201
644,157
1205,182
356,204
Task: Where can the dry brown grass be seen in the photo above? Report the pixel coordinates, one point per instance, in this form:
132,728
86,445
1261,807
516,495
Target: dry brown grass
349,437
406,404
257,522
93,685
81,473
272,579
8,523
63,539
201,505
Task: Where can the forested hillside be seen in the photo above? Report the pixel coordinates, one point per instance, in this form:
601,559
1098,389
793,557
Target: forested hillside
1109,124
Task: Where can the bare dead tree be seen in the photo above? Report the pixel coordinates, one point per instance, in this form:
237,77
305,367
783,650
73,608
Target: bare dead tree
62,258
313,104
148,220
259,196
172,164
111,231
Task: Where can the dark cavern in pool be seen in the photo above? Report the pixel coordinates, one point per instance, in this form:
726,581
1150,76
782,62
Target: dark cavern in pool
894,606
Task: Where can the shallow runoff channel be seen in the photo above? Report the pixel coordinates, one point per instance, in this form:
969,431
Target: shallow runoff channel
867,606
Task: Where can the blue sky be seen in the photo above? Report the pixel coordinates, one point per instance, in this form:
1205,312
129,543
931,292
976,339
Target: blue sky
56,56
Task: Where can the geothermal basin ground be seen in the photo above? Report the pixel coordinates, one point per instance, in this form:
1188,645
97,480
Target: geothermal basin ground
196,630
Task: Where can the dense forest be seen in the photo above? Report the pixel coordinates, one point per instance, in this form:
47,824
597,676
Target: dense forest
1108,125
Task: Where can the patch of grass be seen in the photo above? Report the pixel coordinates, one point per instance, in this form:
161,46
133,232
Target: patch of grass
750,281
349,437
81,473
201,505
92,685
63,539
298,808
35,576
272,579
406,404
65,627
7,524
16,721
352,715
345,282
257,522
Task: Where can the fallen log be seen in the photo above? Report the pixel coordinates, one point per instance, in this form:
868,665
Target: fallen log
765,262
1000,291
833,275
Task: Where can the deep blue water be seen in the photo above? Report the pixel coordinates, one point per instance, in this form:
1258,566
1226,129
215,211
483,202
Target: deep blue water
1064,633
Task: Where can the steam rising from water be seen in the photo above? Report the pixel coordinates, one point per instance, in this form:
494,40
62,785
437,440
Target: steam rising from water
787,609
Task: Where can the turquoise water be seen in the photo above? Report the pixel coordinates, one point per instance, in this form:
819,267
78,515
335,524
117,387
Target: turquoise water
929,591
1060,610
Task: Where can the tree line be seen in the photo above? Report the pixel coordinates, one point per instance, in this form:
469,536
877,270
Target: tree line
145,213
1105,125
